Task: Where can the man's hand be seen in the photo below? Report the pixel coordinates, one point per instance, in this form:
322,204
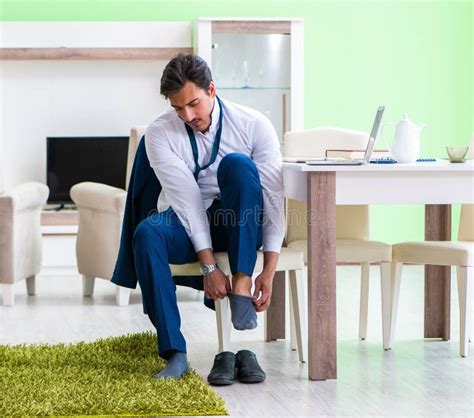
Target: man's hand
216,285
263,291
264,282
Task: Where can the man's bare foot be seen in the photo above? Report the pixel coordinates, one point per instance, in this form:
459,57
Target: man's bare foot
241,284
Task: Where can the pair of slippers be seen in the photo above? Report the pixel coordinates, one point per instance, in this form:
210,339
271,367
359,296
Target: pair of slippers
229,367
243,312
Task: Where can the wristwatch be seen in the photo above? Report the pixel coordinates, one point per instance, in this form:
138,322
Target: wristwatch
208,268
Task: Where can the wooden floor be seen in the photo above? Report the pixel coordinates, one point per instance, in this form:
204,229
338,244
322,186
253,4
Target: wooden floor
416,378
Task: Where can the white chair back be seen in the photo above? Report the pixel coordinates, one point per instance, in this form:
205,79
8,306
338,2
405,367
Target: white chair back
314,142
352,221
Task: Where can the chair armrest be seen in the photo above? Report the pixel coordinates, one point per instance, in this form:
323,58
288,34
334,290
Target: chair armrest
99,197
27,196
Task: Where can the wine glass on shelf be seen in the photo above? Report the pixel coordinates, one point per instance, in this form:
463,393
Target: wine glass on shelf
261,72
234,72
245,71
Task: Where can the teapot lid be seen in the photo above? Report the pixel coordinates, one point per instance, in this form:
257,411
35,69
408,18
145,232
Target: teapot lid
405,119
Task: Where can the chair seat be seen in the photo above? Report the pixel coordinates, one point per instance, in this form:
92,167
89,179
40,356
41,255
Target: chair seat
353,251
441,253
289,259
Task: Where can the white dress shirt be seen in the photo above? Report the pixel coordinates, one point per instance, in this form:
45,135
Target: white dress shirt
244,130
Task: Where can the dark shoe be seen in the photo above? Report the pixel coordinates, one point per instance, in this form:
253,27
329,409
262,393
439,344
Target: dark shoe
248,369
223,370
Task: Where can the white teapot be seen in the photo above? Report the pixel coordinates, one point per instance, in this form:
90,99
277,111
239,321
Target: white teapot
406,143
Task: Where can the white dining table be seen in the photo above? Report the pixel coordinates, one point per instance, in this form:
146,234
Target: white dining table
437,185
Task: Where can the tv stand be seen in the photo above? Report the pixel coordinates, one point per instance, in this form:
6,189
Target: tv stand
59,220
59,206
59,232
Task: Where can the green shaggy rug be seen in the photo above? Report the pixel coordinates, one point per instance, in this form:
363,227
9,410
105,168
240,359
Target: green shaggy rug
111,376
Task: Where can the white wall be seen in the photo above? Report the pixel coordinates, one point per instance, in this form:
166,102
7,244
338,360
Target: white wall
76,98
84,98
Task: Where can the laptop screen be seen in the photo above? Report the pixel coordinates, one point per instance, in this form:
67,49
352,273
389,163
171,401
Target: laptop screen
373,133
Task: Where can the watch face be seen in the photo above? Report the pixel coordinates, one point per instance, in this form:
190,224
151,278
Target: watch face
208,268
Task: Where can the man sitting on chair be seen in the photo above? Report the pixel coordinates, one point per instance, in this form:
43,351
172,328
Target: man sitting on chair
220,169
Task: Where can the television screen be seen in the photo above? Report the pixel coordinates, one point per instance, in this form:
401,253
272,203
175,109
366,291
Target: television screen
72,160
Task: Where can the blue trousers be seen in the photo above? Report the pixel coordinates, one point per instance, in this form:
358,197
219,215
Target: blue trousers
235,222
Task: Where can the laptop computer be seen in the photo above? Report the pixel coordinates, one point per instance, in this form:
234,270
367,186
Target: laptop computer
347,161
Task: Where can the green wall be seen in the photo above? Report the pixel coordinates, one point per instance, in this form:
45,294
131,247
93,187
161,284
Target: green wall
415,57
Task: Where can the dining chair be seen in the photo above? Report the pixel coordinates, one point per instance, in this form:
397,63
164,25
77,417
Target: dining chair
290,260
459,254
353,243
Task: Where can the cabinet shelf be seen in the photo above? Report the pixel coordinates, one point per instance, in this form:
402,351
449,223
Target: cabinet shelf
78,54
252,26
253,88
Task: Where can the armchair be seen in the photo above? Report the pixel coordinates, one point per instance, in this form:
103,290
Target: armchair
101,209
20,237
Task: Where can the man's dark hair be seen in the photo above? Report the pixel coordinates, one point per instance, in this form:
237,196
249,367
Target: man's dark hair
183,68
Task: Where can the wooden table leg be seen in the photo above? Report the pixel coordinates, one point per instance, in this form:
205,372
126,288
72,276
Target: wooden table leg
322,354
437,278
275,315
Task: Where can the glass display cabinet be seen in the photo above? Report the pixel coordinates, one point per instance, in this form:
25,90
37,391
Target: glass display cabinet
257,63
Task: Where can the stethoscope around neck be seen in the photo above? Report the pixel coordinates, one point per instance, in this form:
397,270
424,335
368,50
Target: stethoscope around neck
215,146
